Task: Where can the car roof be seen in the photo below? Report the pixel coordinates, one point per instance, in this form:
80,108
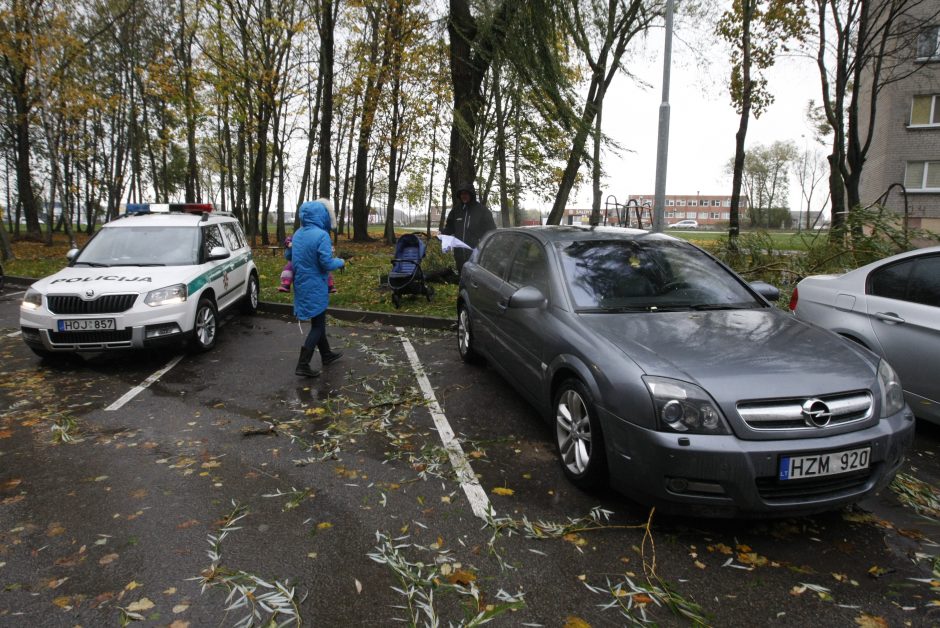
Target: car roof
172,219
570,233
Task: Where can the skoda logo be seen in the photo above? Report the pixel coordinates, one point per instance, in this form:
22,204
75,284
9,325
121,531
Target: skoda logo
816,413
89,293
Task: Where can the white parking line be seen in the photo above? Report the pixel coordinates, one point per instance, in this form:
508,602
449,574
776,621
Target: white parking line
479,502
15,294
136,390
14,334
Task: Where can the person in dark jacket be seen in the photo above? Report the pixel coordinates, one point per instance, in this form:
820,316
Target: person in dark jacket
311,252
468,221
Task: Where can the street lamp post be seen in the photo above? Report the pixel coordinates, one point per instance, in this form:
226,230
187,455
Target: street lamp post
662,146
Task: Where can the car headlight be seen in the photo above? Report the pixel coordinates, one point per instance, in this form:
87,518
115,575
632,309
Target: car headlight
892,395
166,296
685,408
32,300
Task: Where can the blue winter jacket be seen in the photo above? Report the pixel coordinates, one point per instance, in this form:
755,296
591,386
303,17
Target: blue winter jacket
311,252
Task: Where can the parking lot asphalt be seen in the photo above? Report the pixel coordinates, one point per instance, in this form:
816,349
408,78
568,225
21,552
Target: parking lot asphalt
164,487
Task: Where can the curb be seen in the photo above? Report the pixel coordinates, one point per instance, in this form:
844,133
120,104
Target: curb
354,316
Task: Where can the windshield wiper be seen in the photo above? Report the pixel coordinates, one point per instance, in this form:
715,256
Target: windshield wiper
143,264
721,306
93,264
615,310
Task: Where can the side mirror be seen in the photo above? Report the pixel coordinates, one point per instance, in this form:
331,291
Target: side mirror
72,254
769,292
527,297
218,252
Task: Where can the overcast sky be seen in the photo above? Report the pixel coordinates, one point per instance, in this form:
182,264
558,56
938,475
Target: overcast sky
703,122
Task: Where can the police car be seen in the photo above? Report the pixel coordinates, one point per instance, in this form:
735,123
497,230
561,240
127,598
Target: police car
160,274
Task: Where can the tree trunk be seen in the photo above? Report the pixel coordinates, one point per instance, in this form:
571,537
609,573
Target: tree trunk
734,228
325,156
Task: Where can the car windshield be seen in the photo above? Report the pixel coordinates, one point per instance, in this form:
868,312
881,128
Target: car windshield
141,246
648,275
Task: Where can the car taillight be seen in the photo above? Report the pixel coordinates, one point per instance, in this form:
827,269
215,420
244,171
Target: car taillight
793,299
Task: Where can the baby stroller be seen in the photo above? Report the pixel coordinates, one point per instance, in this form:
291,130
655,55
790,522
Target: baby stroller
406,276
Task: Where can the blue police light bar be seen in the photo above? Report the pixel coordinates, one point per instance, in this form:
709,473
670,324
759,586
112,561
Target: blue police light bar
136,208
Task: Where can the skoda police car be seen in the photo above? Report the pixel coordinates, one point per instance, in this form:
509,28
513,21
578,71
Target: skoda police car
160,274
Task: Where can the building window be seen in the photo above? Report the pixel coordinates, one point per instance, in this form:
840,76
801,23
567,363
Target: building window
725,216
690,215
714,215
670,203
925,110
702,215
727,202
670,214
922,175
693,203
928,43
681,202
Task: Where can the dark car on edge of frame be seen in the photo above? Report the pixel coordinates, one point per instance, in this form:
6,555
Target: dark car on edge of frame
670,377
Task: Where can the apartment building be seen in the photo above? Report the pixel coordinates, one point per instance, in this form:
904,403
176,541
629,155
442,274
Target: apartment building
905,145
710,210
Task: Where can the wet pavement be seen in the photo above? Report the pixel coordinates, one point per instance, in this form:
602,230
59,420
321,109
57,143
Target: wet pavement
230,487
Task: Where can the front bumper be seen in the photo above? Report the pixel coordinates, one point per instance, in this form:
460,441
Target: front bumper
140,327
725,476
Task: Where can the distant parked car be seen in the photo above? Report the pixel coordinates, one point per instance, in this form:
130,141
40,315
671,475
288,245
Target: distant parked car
663,372
684,224
891,307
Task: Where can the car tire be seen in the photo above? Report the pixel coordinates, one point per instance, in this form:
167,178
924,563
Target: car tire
578,436
465,336
249,304
205,326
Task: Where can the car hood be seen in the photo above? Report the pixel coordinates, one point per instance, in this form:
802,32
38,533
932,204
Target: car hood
114,279
739,354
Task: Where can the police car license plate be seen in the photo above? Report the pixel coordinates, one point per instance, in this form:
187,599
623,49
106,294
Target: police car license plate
87,324
816,465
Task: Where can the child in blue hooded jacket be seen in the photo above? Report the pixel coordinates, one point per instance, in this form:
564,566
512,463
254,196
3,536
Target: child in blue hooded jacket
311,253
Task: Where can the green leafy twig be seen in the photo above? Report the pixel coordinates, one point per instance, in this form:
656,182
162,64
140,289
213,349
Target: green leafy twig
266,603
419,580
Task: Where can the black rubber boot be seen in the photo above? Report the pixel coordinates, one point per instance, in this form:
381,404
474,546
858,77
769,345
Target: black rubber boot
327,355
332,356
303,364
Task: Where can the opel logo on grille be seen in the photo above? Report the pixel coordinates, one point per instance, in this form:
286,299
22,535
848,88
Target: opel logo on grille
89,293
816,413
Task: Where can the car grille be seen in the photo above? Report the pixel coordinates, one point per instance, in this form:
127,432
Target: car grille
787,414
105,304
772,489
89,337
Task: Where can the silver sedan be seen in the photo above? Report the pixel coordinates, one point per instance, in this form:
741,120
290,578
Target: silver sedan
891,307
668,376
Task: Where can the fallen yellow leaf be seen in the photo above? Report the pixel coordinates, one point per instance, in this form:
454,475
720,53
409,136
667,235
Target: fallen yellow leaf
501,490
871,621
107,559
143,604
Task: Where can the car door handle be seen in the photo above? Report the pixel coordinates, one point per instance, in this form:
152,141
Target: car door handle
503,305
889,317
